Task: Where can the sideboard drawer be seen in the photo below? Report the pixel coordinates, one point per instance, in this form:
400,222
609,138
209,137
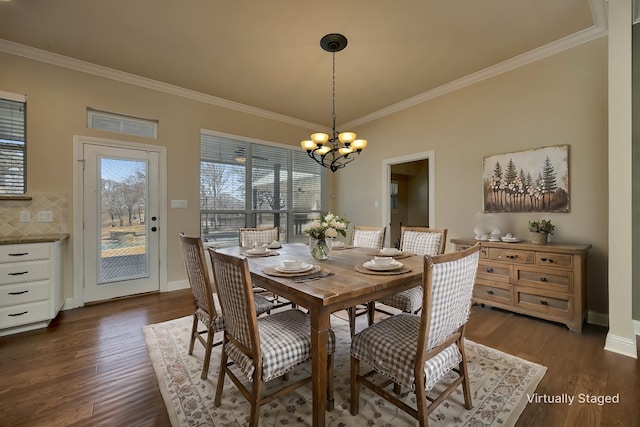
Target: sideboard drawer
553,280
493,271
24,272
512,255
492,293
554,260
24,313
28,252
21,293
557,306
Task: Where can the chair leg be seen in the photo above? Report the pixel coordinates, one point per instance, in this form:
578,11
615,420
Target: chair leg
422,406
222,370
466,387
207,354
194,331
355,387
256,390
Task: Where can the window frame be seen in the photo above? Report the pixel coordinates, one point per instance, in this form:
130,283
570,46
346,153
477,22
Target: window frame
20,98
251,213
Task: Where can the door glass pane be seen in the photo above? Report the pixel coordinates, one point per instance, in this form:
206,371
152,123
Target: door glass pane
123,233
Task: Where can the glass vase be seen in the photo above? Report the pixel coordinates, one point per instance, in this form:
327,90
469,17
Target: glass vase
320,248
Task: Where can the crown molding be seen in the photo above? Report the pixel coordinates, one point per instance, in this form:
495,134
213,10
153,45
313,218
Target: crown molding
599,29
132,79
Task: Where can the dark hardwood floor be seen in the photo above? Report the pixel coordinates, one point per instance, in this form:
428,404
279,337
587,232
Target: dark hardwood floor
91,367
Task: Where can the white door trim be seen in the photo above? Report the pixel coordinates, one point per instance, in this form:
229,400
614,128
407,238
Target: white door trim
386,187
78,214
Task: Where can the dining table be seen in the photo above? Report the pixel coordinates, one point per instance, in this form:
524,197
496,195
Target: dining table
333,284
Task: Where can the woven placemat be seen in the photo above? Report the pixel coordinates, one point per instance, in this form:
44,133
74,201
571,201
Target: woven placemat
271,271
362,269
339,248
396,256
268,253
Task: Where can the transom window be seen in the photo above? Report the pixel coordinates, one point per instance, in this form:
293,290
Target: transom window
246,183
13,143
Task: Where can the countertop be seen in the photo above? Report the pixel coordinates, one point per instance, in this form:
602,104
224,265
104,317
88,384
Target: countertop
36,238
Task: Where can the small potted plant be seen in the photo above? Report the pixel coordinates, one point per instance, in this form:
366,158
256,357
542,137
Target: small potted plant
540,230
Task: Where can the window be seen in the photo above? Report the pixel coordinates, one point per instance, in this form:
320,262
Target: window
13,142
121,123
250,184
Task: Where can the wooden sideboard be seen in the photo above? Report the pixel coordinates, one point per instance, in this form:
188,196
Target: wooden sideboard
545,281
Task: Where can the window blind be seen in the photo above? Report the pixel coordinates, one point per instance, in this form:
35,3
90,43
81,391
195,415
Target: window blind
13,113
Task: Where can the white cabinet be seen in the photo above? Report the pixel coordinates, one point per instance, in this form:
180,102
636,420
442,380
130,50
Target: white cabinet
31,285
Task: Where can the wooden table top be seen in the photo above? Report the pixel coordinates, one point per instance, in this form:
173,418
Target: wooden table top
346,288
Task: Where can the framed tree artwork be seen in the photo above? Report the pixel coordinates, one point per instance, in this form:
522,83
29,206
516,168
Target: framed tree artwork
527,181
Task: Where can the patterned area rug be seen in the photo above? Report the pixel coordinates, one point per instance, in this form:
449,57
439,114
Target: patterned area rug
499,386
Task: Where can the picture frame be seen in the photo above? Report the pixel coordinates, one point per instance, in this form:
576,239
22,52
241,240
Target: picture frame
535,180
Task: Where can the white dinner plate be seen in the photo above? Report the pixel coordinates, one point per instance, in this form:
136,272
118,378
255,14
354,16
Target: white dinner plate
283,269
513,240
257,252
375,267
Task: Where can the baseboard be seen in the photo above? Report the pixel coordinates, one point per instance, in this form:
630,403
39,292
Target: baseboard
178,284
621,345
595,318
636,327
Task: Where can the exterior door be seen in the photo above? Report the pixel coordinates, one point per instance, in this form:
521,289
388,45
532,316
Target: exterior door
121,226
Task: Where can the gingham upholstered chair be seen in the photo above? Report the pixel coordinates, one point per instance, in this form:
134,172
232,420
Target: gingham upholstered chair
261,348
415,352
261,236
365,237
207,310
419,241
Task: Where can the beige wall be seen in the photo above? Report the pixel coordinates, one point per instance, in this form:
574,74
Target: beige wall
636,170
558,100
57,99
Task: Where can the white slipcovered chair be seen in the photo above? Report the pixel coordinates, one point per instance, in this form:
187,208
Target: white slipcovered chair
207,308
261,348
419,241
365,237
415,352
260,236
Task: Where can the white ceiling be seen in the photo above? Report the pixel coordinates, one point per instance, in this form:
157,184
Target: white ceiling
266,54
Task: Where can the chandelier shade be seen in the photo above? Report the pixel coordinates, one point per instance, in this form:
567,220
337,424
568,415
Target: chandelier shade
333,151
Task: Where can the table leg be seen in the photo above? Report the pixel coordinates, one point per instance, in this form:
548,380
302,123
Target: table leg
320,324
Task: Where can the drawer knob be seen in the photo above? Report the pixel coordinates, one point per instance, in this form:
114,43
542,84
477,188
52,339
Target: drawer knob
546,259
543,302
18,314
490,292
512,256
19,293
19,273
489,270
543,279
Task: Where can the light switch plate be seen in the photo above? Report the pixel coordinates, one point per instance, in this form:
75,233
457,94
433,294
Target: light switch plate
179,204
45,216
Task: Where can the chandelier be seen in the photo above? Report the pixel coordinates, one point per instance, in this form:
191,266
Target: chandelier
333,151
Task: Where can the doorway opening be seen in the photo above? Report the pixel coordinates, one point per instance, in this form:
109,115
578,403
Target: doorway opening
409,200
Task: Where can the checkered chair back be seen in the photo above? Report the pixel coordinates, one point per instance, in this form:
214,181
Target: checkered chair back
235,293
261,236
423,240
198,275
448,287
368,237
